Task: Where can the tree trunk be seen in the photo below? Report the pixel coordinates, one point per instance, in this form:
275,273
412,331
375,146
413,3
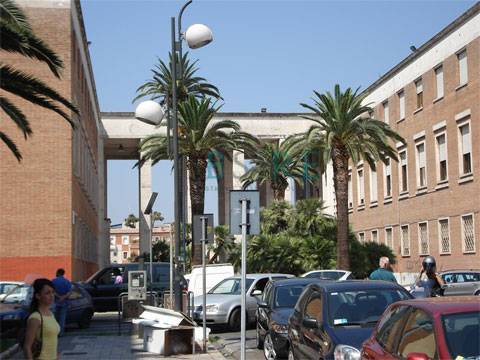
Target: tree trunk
340,179
279,192
197,168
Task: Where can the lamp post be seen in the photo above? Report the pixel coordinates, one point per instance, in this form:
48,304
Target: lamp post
196,36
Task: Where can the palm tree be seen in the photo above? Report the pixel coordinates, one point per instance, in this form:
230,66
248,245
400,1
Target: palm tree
344,130
131,221
276,163
18,37
224,244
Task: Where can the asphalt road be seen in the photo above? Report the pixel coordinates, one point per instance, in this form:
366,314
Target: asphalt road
229,343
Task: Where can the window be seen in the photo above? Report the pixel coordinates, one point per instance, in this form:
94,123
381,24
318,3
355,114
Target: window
405,239
403,173
112,240
418,335
390,326
373,186
314,307
419,87
401,100
444,236
375,236
421,166
465,149
125,254
386,112
442,167
389,237
361,237
361,188
350,190
387,168
125,239
423,238
468,234
462,67
439,81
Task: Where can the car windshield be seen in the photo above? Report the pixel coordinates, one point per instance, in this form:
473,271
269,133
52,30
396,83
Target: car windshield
361,307
330,275
461,330
287,296
230,287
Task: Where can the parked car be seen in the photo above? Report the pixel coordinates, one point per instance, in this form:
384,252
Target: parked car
430,328
16,292
6,286
461,282
214,274
274,309
338,275
14,310
104,290
223,300
332,318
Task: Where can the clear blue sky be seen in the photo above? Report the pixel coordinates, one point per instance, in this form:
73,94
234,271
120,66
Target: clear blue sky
269,54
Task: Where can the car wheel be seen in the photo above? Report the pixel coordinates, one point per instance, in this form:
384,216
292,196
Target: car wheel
259,339
477,293
290,354
234,321
268,349
85,319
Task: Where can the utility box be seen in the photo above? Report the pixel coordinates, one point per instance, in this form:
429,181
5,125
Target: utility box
177,340
137,285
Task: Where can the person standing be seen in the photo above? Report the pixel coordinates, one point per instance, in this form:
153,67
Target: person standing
63,287
428,279
41,324
383,272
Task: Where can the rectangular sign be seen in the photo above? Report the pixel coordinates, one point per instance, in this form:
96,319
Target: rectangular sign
197,228
137,285
253,211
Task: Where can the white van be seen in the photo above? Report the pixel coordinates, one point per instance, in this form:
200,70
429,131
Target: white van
215,274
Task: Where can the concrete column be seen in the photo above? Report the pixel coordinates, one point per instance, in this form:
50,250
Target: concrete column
328,191
145,191
103,237
238,169
225,184
290,192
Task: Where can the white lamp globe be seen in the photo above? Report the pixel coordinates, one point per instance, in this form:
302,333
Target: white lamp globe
149,112
198,35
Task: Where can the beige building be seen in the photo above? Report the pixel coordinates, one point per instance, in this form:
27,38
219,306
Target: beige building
428,203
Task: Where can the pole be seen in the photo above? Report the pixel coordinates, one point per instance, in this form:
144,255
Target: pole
204,221
171,268
244,277
152,222
176,175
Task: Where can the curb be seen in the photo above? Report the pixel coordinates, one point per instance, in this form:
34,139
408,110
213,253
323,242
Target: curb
10,351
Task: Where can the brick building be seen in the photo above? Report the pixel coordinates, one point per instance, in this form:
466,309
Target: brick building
428,203
125,241
52,212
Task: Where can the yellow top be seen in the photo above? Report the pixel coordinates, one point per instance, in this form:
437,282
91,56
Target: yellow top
50,336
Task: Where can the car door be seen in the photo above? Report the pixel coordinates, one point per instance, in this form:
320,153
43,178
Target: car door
313,338
262,312
252,299
418,335
460,285
106,292
76,304
449,279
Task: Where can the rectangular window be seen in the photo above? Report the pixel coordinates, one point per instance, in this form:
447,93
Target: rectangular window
444,236
465,150
375,236
421,166
423,238
419,87
125,239
403,172
361,237
125,254
361,188
405,240
468,234
350,191
388,178
439,81
401,100
386,112
442,167
389,237
463,67
373,186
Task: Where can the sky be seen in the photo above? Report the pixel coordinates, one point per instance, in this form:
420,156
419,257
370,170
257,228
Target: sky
270,54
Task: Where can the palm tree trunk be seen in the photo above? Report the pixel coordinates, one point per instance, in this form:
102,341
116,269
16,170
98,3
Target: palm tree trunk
340,179
278,192
197,168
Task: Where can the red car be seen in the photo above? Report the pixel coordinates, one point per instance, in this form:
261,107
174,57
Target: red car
431,328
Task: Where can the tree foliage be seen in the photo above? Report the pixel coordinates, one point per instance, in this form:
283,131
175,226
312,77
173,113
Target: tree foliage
131,221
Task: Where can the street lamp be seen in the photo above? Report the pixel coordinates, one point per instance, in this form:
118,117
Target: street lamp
196,36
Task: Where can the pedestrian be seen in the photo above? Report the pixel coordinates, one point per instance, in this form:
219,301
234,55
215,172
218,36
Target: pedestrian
63,288
41,334
384,271
428,279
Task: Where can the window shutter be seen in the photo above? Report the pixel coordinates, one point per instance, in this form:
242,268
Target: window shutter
442,153
466,145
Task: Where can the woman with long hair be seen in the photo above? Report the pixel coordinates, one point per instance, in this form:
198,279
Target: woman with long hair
41,323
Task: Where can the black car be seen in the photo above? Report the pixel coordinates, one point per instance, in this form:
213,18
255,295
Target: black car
105,289
331,320
274,309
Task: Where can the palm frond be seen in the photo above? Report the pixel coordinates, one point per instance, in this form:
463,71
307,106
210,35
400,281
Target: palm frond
11,145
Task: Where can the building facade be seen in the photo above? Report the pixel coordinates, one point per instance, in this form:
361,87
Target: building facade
428,202
52,211
125,241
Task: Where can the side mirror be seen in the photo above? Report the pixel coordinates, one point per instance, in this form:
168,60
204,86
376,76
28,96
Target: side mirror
256,292
262,304
417,356
310,323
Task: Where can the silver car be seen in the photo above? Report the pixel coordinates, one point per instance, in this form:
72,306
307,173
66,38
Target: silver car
461,282
223,300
